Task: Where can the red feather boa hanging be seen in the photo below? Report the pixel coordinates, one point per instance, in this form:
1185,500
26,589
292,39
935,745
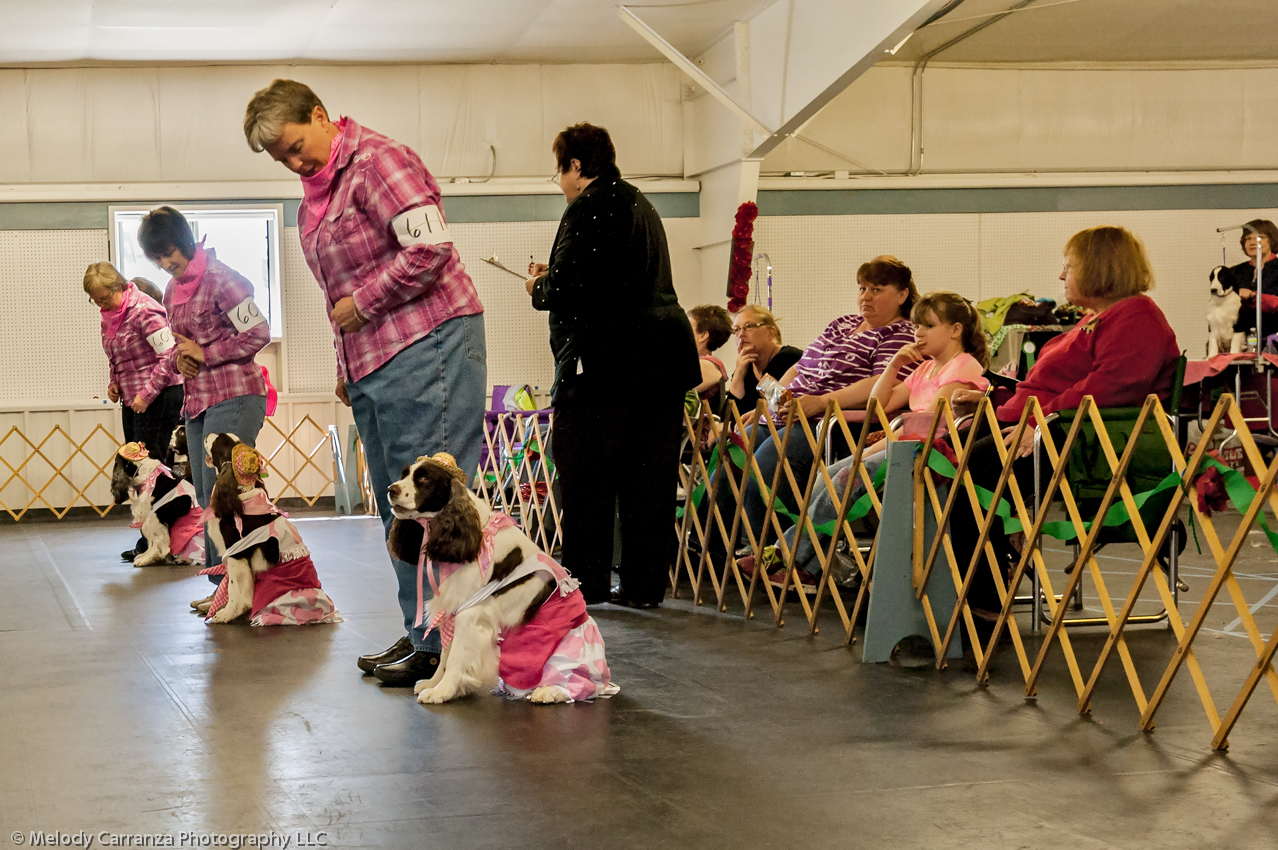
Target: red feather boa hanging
741,265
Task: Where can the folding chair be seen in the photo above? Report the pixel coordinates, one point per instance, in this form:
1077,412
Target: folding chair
1088,475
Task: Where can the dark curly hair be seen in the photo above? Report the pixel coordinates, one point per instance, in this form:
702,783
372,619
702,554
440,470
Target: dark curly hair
589,145
715,321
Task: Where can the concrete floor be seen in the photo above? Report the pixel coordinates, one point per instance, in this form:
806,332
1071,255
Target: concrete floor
121,712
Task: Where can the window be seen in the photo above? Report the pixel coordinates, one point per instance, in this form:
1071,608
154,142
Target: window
245,236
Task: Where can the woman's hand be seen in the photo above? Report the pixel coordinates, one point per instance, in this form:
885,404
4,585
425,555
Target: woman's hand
113,392
139,404
187,367
1026,446
1246,294
535,270
812,405
340,392
907,354
346,316
189,349
966,396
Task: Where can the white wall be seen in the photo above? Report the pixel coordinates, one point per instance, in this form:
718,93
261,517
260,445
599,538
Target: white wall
984,255
52,331
182,124
1047,119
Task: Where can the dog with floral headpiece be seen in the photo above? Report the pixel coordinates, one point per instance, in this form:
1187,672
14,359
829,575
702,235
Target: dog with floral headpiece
492,586
268,569
164,508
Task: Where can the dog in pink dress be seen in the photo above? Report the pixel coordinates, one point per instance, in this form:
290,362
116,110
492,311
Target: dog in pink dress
268,569
507,613
164,508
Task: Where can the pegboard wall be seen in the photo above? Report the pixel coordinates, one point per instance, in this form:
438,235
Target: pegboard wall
983,255
52,344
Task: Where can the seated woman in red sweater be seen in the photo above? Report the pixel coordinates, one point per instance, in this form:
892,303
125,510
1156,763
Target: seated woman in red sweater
1119,355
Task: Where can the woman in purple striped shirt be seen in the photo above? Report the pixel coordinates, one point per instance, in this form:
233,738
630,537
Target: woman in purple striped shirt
841,364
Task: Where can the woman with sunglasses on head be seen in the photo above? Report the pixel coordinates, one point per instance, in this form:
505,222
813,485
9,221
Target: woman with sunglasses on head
759,353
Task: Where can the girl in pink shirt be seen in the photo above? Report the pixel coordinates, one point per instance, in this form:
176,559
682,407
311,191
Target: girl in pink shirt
950,344
949,347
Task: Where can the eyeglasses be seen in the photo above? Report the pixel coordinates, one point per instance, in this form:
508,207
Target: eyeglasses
748,327
554,178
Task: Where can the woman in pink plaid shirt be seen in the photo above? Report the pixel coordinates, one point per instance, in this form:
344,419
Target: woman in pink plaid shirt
136,338
407,323
218,330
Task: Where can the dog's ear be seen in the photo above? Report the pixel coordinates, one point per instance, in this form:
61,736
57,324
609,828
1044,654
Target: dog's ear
455,532
405,541
121,480
225,500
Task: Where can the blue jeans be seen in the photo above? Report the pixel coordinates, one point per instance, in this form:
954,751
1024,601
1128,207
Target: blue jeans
799,454
428,398
241,416
821,509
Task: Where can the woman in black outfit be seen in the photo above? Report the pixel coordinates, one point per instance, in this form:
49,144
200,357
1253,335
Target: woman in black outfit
1243,278
614,312
759,353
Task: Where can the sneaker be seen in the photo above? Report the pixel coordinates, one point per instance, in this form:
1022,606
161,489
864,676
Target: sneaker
777,576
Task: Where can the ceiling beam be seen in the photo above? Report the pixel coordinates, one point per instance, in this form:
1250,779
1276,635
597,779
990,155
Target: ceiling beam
804,53
690,68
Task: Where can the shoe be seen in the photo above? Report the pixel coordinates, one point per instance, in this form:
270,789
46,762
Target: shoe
620,598
128,555
206,602
778,576
203,607
409,670
401,649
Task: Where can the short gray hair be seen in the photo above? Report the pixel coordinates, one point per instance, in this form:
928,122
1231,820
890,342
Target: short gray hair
282,102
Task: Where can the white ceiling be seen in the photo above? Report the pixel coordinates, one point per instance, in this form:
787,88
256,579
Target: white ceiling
55,32
1095,31
564,31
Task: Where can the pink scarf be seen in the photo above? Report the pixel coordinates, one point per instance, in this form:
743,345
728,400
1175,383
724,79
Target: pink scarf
316,189
184,287
443,620
112,319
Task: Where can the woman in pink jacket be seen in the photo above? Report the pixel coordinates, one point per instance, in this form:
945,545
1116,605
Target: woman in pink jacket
218,329
136,338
